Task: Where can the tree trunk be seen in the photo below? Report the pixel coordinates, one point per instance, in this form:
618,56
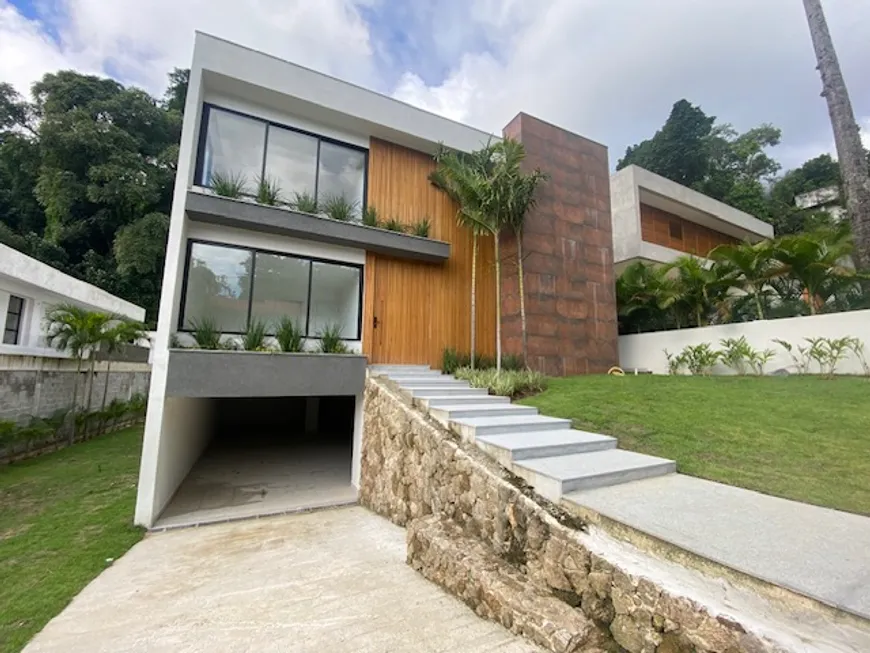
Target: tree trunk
72,432
847,136
474,248
106,387
758,304
497,306
522,287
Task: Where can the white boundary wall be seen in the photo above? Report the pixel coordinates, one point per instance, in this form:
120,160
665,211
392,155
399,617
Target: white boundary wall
646,350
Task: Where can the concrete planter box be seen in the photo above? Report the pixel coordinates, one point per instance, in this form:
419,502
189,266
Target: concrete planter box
248,215
227,374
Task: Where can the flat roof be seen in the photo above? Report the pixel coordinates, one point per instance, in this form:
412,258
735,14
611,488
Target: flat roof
264,79
35,274
687,203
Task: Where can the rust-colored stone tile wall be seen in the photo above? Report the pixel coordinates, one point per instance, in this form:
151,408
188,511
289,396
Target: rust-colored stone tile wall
669,230
568,256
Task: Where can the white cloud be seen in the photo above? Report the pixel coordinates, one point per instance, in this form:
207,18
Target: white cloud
865,132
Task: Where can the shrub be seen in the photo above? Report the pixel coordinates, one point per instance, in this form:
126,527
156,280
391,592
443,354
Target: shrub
268,191
393,224
289,336
8,432
422,228
512,362
676,362
857,347
254,338
304,202
452,360
736,354
206,333
370,217
699,359
330,340
758,359
508,383
231,184
828,352
800,356
339,208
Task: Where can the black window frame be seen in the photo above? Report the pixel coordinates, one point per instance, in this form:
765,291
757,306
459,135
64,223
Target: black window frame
207,108
19,318
360,267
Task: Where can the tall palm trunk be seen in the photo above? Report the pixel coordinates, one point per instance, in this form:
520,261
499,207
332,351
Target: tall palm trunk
522,287
74,410
758,305
847,135
474,247
497,305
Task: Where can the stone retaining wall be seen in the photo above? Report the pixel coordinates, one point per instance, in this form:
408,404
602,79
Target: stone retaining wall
477,531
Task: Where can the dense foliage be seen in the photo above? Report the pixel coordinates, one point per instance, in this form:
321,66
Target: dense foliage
796,274
86,174
715,159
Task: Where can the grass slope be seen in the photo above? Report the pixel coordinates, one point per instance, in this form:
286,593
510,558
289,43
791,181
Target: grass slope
802,438
62,516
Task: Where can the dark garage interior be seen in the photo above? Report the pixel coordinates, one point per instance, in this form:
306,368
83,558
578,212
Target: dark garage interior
268,455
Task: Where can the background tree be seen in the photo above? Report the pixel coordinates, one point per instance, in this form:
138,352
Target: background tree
750,266
847,136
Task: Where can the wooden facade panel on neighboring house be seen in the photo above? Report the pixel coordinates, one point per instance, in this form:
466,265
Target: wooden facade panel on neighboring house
663,228
420,308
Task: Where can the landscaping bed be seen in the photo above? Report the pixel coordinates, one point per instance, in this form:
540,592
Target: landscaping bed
802,437
63,518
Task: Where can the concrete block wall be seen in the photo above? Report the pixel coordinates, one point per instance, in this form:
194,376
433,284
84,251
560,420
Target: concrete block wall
568,256
32,386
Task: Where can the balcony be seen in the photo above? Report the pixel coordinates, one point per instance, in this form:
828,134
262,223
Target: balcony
247,214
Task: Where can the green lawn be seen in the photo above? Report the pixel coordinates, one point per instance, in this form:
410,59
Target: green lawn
802,438
62,516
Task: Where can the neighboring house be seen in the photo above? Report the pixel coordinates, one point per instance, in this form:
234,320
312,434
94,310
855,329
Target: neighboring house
396,298
656,220
29,287
822,199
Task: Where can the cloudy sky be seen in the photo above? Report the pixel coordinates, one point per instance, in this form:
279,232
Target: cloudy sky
608,69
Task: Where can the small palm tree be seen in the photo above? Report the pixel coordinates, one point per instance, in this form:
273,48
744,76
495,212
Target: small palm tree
700,288
517,199
751,265
73,329
462,177
643,292
819,262
120,333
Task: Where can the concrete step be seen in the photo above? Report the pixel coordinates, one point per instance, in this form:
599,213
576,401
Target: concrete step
511,447
443,400
445,414
552,477
410,374
386,369
471,427
429,391
422,378
433,383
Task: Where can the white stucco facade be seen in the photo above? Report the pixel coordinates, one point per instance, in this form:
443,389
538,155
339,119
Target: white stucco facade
41,286
633,186
233,78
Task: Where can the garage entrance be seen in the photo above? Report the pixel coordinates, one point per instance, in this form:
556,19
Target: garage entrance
268,455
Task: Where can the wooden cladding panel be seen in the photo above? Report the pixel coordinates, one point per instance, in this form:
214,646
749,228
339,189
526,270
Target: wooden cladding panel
422,308
669,230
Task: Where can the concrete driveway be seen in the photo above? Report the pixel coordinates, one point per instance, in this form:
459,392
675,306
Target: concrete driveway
333,580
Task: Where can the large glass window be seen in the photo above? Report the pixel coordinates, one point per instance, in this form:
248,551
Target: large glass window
14,315
334,298
241,146
233,286
234,146
280,289
341,174
218,287
291,160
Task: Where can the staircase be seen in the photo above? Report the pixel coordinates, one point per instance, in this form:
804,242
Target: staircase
545,451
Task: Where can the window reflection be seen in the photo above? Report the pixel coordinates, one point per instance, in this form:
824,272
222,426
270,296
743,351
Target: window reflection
218,287
334,298
234,146
291,160
341,173
280,290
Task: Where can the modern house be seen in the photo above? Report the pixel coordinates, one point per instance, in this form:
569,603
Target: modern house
657,220
28,287
395,298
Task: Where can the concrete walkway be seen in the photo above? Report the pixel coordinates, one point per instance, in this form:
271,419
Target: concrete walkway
820,553
332,580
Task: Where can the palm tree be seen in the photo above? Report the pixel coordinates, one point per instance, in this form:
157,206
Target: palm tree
518,198
462,176
118,334
847,136
78,331
643,292
700,288
751,266
819,262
